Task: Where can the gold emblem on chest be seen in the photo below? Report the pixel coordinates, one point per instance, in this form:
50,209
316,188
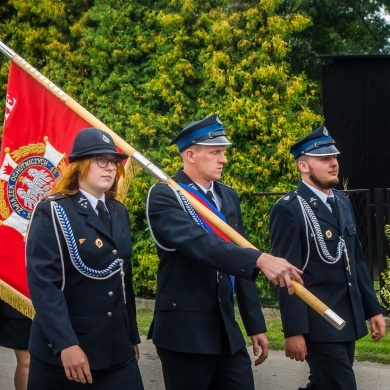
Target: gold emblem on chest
328,234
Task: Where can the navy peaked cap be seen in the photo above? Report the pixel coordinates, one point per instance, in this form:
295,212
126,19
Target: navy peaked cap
91,142
317,143
208,131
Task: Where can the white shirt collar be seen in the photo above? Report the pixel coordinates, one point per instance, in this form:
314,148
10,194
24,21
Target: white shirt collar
320,194
204,189
217,199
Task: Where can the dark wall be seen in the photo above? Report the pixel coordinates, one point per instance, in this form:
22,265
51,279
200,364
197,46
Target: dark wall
356,101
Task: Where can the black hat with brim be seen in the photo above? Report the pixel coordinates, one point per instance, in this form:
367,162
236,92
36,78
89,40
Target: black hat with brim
92,142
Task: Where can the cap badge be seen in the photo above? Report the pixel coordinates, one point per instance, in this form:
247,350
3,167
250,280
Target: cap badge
105,139
326,132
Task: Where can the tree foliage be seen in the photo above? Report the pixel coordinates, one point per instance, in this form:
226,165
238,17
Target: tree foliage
338,27
384,294
147,68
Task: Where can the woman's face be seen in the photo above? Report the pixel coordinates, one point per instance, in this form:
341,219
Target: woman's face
100,176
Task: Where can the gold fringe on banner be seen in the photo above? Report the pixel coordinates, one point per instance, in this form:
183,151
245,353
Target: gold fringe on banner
131,167
15,299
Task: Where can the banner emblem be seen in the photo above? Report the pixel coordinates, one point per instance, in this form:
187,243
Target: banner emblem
27,181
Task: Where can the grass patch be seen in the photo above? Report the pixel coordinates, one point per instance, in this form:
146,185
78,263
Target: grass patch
366,348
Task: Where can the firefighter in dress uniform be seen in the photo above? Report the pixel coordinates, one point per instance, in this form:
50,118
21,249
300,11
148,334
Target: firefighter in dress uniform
80,276
194,329
314,228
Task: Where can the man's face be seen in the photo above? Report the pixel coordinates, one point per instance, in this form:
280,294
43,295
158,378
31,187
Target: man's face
321,172
209,161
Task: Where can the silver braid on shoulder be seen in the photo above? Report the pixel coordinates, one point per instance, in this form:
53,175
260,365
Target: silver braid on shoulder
113,268
311,220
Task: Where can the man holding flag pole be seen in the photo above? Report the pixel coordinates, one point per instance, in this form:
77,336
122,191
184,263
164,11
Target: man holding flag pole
194,329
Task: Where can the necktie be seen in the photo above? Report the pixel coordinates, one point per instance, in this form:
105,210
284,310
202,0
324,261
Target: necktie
211,197
330,200
103,215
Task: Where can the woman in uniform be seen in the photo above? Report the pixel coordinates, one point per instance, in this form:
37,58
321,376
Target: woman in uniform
80,277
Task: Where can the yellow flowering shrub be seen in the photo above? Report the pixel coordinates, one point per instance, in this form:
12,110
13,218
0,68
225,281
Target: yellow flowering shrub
146,69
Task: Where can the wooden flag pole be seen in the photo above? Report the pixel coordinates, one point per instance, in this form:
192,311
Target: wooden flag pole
299,290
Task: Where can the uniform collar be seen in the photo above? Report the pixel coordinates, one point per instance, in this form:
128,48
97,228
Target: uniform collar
321,195
92,199
204,189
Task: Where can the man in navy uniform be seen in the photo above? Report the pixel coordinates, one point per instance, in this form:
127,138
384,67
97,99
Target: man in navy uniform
194,329
314,228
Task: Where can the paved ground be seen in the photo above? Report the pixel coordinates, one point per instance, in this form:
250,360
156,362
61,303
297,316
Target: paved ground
276,373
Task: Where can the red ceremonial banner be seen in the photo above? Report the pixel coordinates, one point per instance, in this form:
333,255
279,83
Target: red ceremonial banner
38,133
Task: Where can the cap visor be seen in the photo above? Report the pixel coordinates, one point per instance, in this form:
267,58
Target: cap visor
325,151
218,141
75,157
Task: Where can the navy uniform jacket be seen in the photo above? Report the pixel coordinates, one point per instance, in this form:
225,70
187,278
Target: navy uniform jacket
72,308
193,301
348,294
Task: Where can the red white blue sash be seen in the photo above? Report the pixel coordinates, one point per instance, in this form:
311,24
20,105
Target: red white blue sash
205,223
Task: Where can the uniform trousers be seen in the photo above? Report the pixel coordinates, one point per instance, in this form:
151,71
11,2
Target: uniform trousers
331,365
206,372
43,376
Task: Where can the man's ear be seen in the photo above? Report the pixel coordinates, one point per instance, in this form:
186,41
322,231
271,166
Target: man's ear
303,166
189,155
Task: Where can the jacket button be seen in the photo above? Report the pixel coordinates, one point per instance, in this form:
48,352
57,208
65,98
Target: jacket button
114,252
50,345
173,304
110,294
109,314
350,284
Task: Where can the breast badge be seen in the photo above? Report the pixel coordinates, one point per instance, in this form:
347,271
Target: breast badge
328,234
99,243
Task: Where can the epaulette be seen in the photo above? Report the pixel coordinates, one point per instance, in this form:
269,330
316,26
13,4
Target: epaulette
226,186
339,195
287,198
56,196
338,192
50,197
116,200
